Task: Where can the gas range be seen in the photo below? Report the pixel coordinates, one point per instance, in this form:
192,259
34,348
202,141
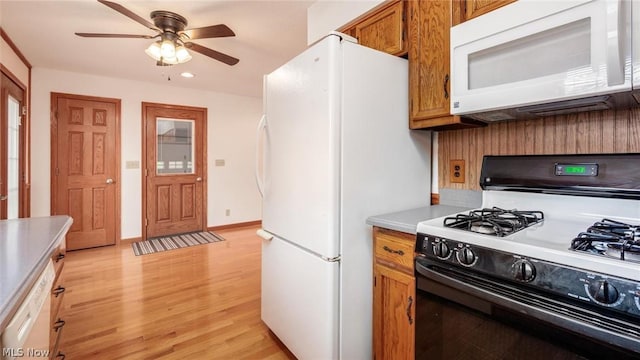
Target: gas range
551,237
550,227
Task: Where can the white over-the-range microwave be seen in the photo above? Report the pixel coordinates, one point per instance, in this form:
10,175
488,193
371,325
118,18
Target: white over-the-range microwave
537,58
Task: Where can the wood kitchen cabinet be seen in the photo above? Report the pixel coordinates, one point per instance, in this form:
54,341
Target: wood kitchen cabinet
470,9
394,294
57,294
429,62
383,28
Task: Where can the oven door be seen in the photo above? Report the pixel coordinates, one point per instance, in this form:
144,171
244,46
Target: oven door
464,316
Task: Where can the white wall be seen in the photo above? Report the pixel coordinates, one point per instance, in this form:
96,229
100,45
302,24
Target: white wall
231,136
10,60
327,15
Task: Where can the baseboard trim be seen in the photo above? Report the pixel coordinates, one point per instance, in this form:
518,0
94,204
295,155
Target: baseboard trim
235,226
130,240
210,228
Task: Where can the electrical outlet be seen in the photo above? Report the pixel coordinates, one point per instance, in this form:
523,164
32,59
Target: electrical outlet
457,171
227,212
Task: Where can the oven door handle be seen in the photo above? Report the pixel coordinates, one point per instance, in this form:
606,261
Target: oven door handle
549,310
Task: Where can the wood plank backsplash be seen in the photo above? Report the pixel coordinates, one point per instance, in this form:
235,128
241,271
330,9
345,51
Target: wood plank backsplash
610,131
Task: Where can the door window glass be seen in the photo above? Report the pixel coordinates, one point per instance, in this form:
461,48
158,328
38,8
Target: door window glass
13,159
175,146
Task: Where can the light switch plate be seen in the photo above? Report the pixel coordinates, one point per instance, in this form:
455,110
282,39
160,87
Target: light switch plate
219,162
132,164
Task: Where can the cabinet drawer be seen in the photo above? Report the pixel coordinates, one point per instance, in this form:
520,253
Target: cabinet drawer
57,294
54,339
58,258
395,250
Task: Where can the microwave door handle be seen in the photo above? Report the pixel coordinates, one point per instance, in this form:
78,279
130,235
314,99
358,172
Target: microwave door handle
615,37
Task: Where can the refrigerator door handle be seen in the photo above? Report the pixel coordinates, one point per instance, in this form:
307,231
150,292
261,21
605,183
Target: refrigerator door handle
261,125
264,235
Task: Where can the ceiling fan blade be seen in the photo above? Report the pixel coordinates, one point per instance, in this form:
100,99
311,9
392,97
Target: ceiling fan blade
94,35
128,13
213,31
229,60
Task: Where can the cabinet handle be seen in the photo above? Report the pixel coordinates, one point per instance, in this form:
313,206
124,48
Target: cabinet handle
59,290
388,249
59,257
446,82
61,356
58,325
410,302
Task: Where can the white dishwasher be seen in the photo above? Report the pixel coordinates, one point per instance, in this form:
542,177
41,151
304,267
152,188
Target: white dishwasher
27,335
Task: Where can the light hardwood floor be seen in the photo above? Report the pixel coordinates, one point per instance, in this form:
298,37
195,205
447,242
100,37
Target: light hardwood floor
201,302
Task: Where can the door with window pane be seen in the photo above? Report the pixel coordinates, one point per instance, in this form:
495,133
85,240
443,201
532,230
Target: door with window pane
174,169
12,151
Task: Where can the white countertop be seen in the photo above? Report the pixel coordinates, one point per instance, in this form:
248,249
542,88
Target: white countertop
25,247
407,220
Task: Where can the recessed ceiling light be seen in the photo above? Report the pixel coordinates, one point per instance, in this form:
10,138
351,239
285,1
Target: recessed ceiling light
187,75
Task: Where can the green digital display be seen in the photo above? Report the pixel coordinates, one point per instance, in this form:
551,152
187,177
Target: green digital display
575,169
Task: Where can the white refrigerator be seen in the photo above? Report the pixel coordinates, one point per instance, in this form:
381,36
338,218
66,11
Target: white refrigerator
334,148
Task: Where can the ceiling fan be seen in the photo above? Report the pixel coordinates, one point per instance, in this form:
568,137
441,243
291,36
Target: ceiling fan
173,39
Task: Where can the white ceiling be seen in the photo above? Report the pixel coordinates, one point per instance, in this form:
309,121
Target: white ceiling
268,33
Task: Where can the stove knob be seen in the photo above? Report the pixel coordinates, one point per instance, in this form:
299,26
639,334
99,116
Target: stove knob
603,292
466,256
523,270
441,250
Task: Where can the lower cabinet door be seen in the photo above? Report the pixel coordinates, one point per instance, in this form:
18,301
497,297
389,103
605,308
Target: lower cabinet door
393,314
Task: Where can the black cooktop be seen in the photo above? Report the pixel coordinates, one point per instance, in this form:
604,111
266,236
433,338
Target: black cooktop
610,238
494,221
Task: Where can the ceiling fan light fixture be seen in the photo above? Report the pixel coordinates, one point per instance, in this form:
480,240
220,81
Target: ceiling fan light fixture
168,49
182,54
169,60
174,36
154,51
174,55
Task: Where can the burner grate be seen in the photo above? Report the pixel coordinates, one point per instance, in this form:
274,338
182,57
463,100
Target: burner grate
610,238
494,221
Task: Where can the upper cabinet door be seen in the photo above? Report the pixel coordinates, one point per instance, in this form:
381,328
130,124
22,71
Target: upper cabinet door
384,30
429,24
475,8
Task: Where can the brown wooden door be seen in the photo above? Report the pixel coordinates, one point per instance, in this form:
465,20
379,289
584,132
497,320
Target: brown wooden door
85,167
13,177
174,150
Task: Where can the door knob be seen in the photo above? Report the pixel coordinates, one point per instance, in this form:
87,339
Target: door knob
3,197
110,181
198,179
